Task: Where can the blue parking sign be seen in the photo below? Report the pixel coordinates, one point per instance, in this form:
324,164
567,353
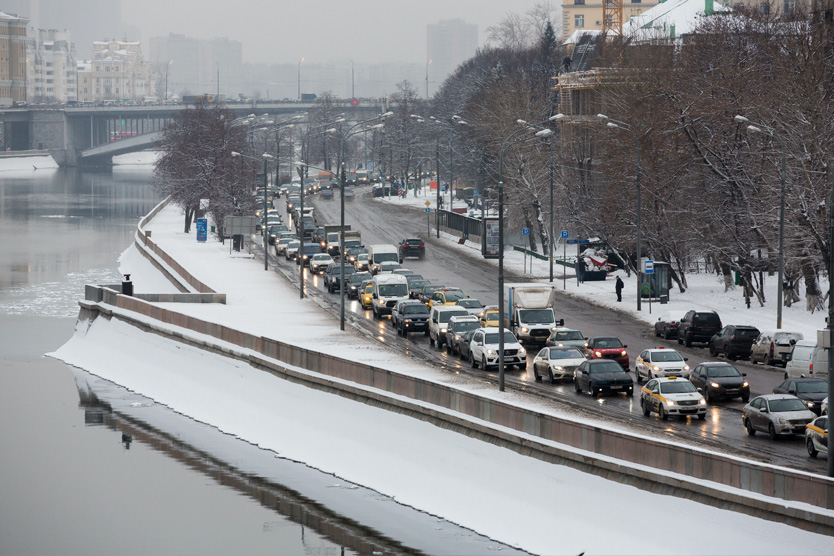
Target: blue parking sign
565,234
525,231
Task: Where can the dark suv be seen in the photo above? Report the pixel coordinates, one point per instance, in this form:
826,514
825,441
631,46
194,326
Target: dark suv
698,326
719,380
733,341
413,247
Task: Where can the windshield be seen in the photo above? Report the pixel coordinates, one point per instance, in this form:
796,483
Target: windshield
812,387
747,332
778,406
444,316
676,387
454,296
491,315
566,354
608,343
536,316
466,326
333,238
381,257
605,367
359,277
294,245
319,258
722,371
415,309
492,338
707,318
784,338
417,285
391,290
413,278
568,335
362,257
666,356
470,303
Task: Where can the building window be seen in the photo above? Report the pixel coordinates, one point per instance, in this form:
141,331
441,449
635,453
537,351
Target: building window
98,68
579,1
764,8
107,68
85,92
789,7
98,91
85,80
579,21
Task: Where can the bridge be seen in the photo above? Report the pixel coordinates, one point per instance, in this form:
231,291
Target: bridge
93,135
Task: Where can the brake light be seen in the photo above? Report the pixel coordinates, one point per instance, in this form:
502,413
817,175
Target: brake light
771,349
733,337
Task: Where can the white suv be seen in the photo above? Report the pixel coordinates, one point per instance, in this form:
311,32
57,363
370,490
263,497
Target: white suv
483,349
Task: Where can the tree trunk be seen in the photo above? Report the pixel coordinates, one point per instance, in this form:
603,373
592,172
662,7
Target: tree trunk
189,214
529,225
727,272
813,302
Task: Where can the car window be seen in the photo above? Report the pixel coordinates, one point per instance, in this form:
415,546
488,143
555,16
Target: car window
676,387
565,353
605,367
465,326
666,356
608,343
416,309
568,335
789,404
784,338
723,371
757,403
747,332
644,355
543,353
811,387
707,319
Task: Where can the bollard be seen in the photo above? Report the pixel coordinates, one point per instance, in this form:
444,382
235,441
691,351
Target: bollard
127,286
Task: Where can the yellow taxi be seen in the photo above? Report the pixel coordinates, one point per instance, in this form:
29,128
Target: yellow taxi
816,436
672,395
365,298
446,296
490,317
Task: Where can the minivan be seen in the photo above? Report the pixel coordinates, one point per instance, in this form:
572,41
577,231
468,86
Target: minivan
380,253
808,359
388,290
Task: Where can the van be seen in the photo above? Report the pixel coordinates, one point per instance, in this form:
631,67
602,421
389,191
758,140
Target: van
380,253
388,290
808,359
439,321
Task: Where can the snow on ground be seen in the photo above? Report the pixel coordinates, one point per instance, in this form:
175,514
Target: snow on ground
705,291
517,500
132,262
520,501
27,163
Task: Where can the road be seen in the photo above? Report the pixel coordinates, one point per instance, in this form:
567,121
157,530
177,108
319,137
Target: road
387,223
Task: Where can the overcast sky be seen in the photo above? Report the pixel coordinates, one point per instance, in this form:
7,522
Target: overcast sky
368,31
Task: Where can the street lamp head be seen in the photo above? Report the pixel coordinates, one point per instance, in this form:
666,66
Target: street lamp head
235,154
463,122
521,122
557,117
740,119
332,130
386,114
602,116
612,125
267,156
754,129
544,133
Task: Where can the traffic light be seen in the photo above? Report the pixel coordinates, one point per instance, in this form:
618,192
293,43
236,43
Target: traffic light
354,101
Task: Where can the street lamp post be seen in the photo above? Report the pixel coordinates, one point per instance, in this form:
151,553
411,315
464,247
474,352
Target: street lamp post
266,157
352,81
830,324
616,124
299,81
166,78
761,128
427,85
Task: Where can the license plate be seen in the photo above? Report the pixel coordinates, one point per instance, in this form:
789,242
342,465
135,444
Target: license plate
617,387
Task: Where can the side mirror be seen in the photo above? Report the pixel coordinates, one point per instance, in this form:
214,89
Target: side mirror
374,295
686,358
561,322
793,342
763,410
701,390
743,374
625,347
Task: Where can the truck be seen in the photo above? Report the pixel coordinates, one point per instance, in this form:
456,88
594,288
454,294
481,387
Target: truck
528,312
352,239
331,234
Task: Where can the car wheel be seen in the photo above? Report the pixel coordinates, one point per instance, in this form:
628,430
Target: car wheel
550,372
484,363
680,340
706,394
536,374
745,399
638,375
656,332
812,451
688,342
472,361
749,426
661,412
771,430
645,409
729,355
576,386
431,341
702,416
448,349
426,332
712,350
591,391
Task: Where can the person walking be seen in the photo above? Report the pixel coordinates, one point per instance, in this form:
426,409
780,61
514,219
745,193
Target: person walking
618,287
580,270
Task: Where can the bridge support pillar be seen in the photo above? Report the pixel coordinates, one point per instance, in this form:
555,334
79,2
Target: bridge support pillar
49,130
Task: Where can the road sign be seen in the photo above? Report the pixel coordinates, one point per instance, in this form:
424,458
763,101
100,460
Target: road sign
428,203
525,231
564,234
443,188
202,224
475,193
578,241
428,209
648,267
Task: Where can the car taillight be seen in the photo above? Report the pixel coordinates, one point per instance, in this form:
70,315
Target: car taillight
733,337
771,349
422,246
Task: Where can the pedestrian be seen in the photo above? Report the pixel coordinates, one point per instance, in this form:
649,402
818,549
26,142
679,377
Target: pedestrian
580,270
619,289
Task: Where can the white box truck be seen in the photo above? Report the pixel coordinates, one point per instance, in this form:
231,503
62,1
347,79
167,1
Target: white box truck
528,312
352,239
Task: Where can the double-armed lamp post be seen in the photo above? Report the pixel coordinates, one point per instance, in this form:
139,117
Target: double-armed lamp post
266,157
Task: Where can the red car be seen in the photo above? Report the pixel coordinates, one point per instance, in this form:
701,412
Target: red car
607,348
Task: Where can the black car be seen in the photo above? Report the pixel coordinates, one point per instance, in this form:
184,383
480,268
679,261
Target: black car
428,290
599,376
412,247
698,326
304,257
463,345
733,341
810,390
355,282
410,316
333,277
720,380
415,288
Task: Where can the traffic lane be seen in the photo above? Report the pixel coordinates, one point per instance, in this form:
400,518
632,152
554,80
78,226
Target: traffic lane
721,431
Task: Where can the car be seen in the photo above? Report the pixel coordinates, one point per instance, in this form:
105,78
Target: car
720,380
389,289
464,344
366,298
361,262
293,200
483,349
412,276
438,322
415,287
291,250
458,326
557,363
566,337
387,267
812,391
599,376
807,359
310,250
320,236
355,283
733,341
816,436
274,232
326,194
777,415
332,241
410,316
660,361
428,289
667,325
404,271
349,194
412,247
320,263
353,252
698,326
447,296
490,318
282,243
333,277
475,307
774,346
672,395
607,347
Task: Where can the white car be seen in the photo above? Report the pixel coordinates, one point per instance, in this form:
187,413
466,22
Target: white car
672,396
320,262
657,362
387,267
291,252
475,307
483,349
557,363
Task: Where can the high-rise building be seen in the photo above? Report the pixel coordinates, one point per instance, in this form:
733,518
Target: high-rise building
51,67
196,66
12,58
448,44
117,71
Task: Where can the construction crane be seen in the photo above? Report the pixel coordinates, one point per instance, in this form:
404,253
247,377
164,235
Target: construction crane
612,18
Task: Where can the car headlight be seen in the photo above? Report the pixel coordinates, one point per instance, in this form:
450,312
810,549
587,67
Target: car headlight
457,336
781,420
623,353
656,368
598,353
686,367
809,404
522,351
558,368
702,401
442,330
670,402
745,384
480,315
524,330
490,352
715,385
